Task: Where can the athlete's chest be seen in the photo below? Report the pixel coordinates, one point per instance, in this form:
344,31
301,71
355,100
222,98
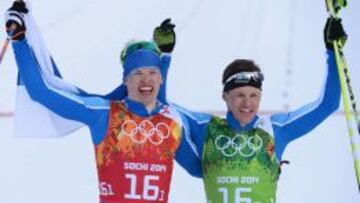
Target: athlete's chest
137,153
237,150
131,136
239,166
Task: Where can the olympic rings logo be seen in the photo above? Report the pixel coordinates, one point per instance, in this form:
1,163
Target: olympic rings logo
240,144
146,130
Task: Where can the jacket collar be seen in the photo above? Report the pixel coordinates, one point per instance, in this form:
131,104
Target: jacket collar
235,124
139,108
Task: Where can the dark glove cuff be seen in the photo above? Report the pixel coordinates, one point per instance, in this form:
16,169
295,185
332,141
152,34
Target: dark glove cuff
167,48
329,46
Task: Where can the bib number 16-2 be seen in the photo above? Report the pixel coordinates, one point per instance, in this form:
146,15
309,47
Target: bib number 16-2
238,195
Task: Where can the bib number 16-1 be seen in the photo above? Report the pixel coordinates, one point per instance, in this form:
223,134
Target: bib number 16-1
149,192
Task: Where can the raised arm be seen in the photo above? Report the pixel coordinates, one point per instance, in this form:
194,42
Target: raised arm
65,103
292,125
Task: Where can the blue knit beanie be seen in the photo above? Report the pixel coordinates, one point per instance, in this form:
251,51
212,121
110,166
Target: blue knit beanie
139,54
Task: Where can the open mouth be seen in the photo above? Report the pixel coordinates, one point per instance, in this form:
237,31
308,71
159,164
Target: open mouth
146,90
246,111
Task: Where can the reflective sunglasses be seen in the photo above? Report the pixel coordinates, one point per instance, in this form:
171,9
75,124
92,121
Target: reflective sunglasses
246,77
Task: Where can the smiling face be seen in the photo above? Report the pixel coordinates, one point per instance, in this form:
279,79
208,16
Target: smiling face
243,102
143,86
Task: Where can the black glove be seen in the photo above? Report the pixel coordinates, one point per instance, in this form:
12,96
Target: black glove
334,31
15,26
164,36
19,6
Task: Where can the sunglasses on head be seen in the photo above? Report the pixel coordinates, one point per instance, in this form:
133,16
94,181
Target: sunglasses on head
137,46
246,77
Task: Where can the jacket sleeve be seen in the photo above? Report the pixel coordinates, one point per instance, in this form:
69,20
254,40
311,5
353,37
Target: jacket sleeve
189,154
66,104
292,125
164,69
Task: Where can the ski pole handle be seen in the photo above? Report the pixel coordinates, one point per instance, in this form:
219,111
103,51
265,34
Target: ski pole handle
334,6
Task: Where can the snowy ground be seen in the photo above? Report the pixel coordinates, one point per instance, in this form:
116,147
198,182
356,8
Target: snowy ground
283,37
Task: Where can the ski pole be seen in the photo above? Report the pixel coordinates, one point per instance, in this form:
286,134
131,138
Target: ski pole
333,7
350,90
354,146
351,94
6,42
4,48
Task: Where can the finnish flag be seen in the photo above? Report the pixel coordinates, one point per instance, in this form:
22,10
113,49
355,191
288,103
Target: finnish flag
32,120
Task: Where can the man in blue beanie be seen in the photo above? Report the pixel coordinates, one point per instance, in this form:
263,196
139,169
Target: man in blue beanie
136,138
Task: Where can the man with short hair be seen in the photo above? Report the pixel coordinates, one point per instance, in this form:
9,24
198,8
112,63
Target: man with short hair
241,155
136,138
